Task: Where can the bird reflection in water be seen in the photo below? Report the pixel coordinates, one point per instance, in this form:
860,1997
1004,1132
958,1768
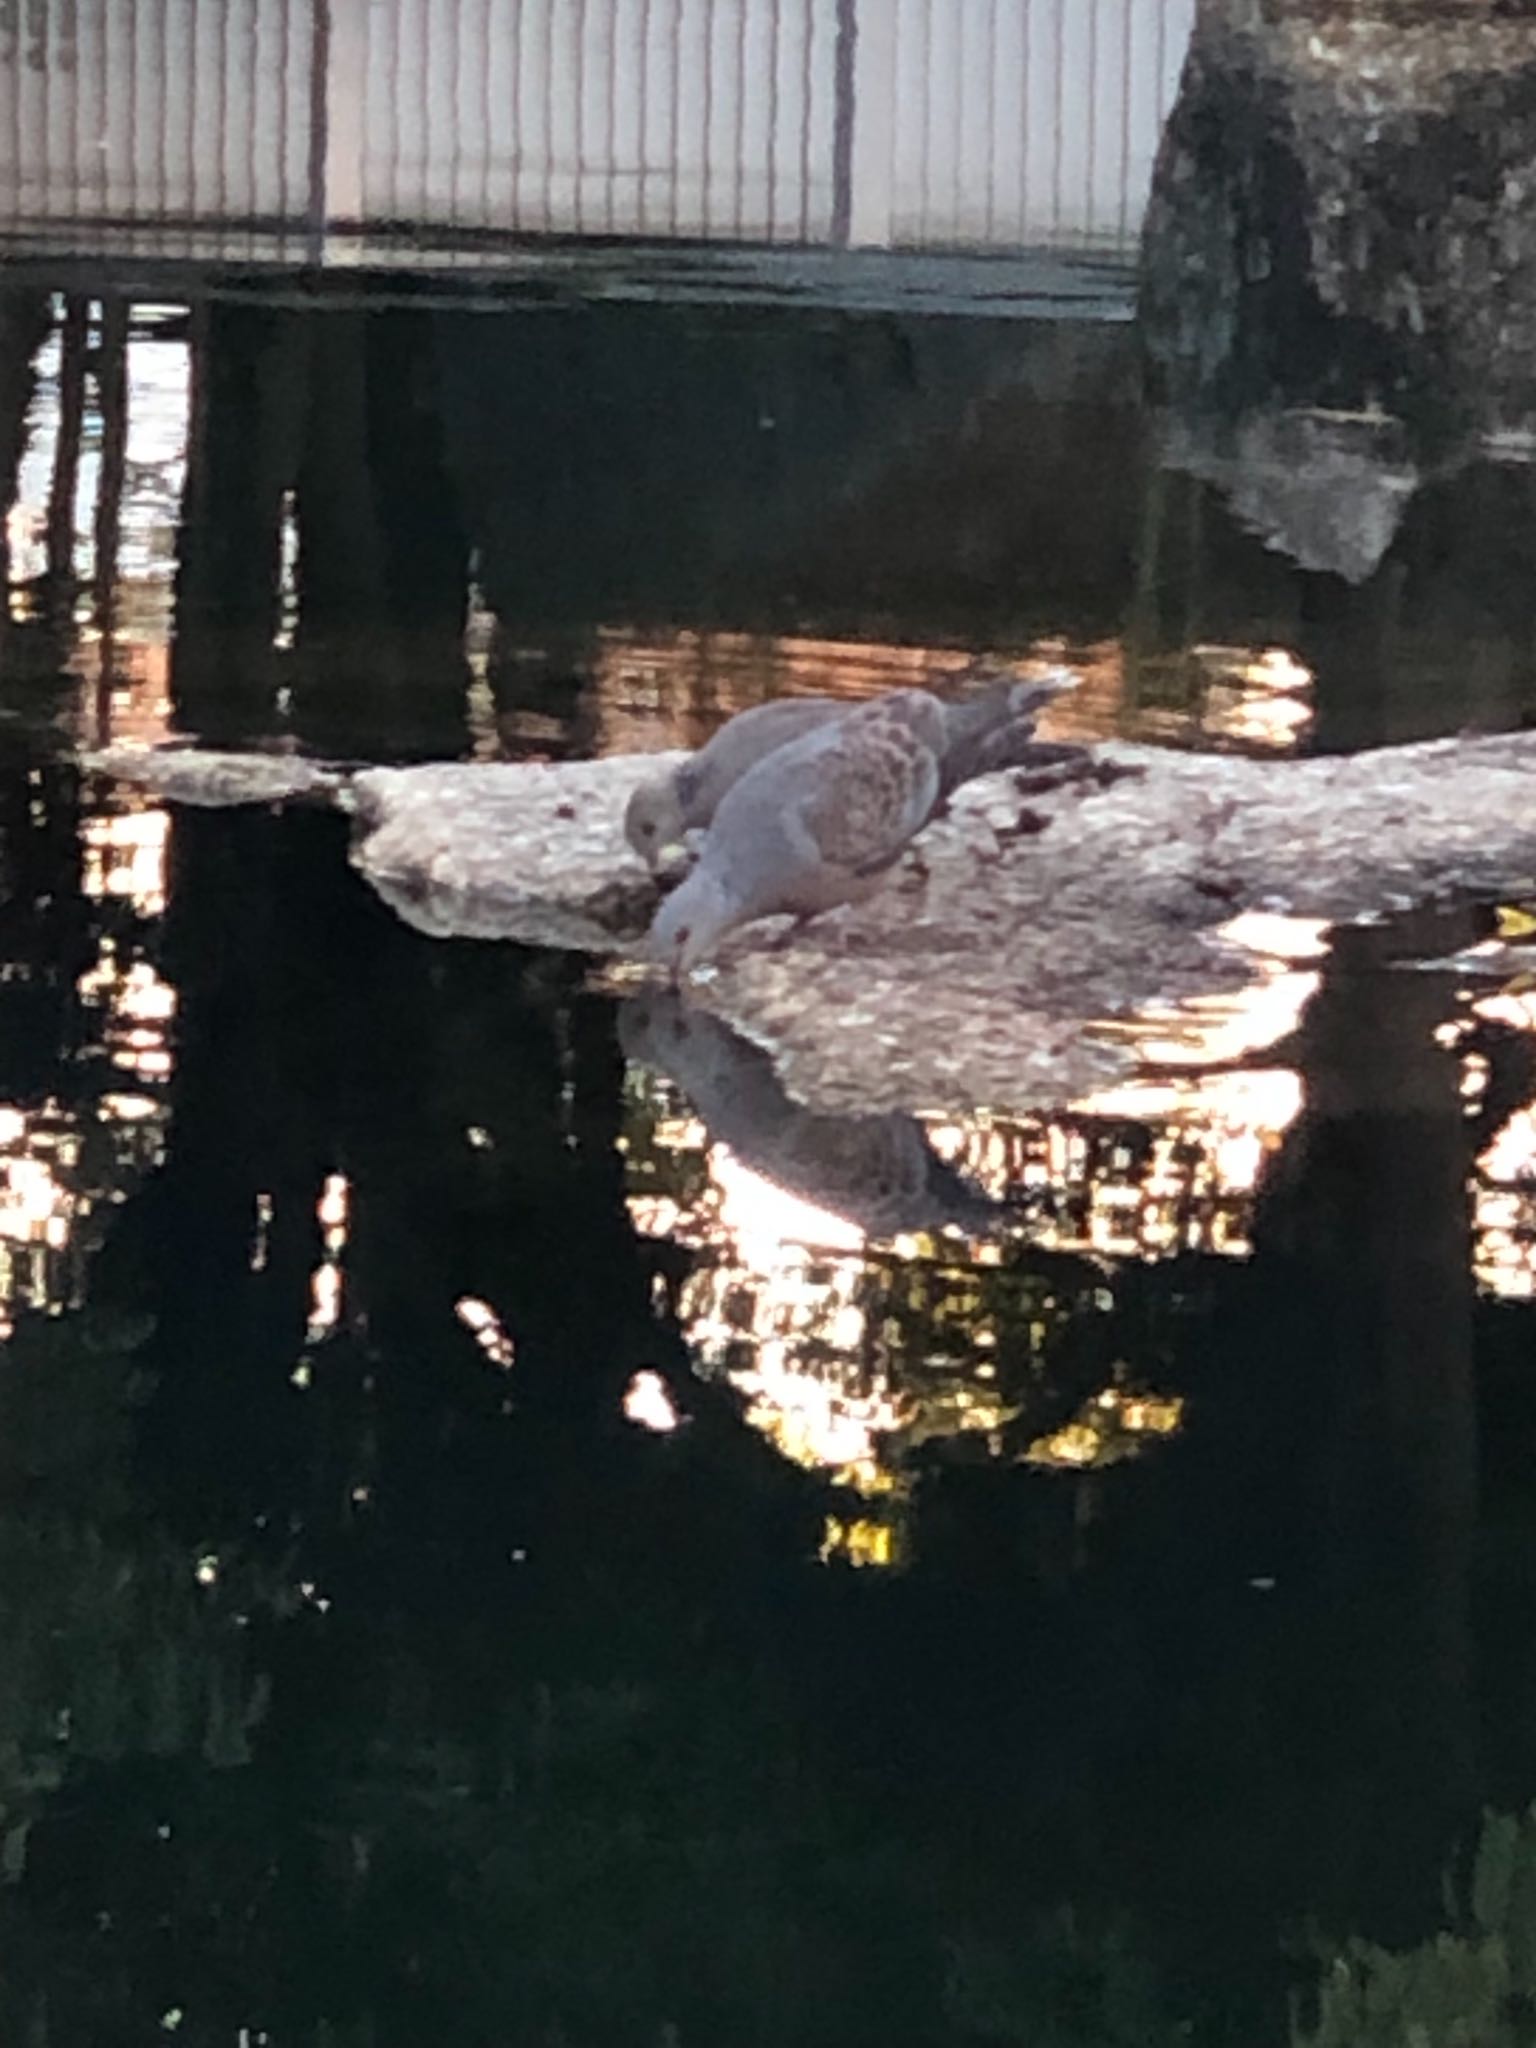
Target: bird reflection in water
838,1291
879,1173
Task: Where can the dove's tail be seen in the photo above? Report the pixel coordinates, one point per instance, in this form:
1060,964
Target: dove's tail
988,731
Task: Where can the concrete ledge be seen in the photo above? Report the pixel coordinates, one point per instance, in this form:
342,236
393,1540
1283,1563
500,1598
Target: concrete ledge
979,975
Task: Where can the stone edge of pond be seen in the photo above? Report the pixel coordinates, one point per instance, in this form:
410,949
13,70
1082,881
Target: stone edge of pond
980,975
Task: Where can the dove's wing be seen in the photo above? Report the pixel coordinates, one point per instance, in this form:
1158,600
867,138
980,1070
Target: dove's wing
872,788
705,779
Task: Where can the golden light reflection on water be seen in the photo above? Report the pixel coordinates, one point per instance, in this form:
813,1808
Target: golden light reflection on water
120,611
648,690
792,1302
1504,1190
64,1166
805,1315
1113,1426
123,853
327,1283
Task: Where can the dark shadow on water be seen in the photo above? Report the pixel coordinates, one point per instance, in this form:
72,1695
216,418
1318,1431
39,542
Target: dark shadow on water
645,514
370,1678
414,1693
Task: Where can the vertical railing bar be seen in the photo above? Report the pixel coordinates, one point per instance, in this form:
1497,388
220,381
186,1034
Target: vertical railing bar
18,58
424,182
844,113
807,77
926,87
253,78
1127,52
613,111
892,168
319,125
75,78
1059,89
642,180
456,125
771,154
391,122
674,119
580,11
519,82
1091,133
486,107
549,116
957,181
928,119
133,113
103,146
741,111
1026,55
707,192
223,115
194,95
991,199
284,87
44,79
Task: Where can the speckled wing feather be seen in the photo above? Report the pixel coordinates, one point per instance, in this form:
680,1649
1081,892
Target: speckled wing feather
865,797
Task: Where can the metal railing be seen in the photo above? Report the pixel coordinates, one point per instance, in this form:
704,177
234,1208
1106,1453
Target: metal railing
927,124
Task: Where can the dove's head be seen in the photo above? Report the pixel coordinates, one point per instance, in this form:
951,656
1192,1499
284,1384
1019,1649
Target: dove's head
692,922
654,819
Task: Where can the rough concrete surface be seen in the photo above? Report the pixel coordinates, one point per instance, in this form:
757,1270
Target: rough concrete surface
1013,928
1342,220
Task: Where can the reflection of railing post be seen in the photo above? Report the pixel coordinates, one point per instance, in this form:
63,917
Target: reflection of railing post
845,106
112,398
66,461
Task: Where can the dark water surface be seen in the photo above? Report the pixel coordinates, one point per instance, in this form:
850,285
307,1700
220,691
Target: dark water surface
491,1551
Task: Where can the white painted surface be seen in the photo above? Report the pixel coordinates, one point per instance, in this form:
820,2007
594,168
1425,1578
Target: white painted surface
147,109
965,123
633,117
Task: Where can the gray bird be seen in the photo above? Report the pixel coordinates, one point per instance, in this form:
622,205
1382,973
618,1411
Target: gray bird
817,822
992,728
666,807
879,1172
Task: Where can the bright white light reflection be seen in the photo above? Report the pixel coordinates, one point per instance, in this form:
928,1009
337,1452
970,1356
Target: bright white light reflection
327,1286
648,1404
1504,1190
782,1306
482,1321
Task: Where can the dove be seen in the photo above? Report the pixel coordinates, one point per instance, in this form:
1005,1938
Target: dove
666,807
877,1172
818,821
814,824
992,728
